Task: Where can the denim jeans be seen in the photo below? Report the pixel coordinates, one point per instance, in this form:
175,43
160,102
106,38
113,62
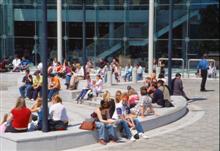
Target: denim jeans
25,90
68,78
82,94
128,76
51,93
126,131
138,126
35,93
139,77
105,131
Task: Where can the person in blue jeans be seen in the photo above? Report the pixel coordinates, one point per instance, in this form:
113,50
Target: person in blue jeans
84,91
25,90
119,116
104,125
128,72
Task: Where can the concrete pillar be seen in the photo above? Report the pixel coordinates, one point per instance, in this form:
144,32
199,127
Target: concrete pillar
111,25
151,36
134,75
109,78
59,30
111,33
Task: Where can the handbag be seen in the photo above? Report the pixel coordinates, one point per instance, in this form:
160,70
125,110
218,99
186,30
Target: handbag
88,125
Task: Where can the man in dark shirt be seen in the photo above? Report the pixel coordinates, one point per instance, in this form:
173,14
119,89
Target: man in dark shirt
157,96
177,87
25,90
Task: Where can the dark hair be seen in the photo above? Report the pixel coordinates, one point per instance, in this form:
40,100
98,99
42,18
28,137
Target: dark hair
154,84
178,74
143,90
160,82
99,76
104,105
27,71
51,75
37,72
161,75
128,87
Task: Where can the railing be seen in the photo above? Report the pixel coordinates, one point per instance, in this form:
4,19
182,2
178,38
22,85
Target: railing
176,59
197,60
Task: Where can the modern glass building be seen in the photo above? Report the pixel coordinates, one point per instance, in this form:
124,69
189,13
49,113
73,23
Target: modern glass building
113,28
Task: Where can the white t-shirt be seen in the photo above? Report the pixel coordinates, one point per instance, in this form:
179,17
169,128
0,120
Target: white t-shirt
99,85
16,62
80,72
40,66
119,110
58,112
139,70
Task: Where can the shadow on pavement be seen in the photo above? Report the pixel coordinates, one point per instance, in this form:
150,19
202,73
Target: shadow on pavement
193,99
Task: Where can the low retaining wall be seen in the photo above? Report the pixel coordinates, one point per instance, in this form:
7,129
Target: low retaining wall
74,137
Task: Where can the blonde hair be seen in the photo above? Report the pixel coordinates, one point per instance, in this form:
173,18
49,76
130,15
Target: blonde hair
106,96
39,102
57,99
20,103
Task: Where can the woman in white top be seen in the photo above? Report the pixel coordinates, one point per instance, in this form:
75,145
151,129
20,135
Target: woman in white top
58,113
98,86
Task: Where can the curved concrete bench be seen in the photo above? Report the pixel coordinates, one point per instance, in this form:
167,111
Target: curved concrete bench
74,137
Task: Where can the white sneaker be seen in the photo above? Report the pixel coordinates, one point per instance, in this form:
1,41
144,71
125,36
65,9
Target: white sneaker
27,99
132,138
143,136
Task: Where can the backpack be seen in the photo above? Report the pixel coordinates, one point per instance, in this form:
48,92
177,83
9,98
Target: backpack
170,90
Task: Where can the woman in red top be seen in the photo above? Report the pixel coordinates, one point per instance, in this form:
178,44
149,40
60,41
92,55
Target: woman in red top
19,118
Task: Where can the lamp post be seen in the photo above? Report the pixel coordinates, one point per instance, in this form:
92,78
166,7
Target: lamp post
45,56
170,42
84,35
59,30
151,36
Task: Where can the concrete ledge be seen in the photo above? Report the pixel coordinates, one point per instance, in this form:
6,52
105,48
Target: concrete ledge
74,137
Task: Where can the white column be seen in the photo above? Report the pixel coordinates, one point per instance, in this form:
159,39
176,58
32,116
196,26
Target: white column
109,78
134,75
59,30
151,36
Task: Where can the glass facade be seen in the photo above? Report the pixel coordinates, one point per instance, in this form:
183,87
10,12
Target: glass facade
113,28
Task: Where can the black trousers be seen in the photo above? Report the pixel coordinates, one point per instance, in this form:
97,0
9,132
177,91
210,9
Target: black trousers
204,78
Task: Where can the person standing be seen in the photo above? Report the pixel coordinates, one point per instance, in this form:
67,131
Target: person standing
203,67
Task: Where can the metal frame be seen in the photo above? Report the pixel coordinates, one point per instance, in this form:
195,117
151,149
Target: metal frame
176,59
197,60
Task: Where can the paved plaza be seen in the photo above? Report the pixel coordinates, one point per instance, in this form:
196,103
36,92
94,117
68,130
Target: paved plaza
200,134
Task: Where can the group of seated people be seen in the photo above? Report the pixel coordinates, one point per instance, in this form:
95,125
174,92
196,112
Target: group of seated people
23,119
15,65
20,64
123,110
72,72
32,86
92,88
